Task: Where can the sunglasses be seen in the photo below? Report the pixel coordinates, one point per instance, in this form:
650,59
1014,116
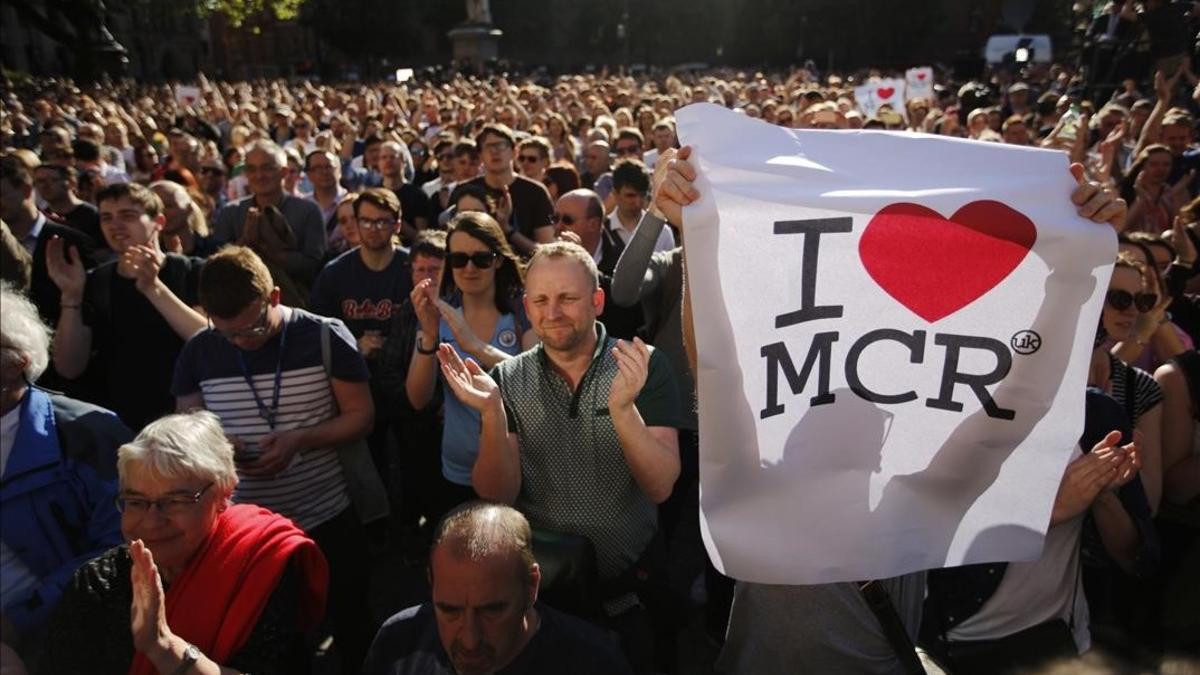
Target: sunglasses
481,260
1121,300
562,218
528,159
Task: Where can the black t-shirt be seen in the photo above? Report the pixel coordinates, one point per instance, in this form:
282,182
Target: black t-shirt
531,204
408,644
413,203
134,346
362,298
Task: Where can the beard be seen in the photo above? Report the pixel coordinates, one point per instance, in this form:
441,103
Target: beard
555,337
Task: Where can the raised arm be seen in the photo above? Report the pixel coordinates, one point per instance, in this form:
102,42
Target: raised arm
421,380
652,452
1152,129
147,261
634,277
72,339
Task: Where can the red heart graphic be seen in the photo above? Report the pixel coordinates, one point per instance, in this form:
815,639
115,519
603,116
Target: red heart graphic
885,92
921,76
189,99
936,266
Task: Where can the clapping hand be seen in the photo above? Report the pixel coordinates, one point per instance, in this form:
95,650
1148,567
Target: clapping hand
424,300
457,322
633,365
1107,467
65,271
1185,248
475,388
148,611
142,263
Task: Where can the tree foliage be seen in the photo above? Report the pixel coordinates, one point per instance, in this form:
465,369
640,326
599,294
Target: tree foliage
239,11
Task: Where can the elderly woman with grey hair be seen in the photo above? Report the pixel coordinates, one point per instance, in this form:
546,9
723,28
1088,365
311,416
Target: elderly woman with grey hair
203,586
57,478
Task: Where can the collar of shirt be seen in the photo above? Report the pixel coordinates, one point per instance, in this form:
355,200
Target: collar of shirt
614,224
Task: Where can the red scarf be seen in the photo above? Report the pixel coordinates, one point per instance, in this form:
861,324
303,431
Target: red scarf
216,602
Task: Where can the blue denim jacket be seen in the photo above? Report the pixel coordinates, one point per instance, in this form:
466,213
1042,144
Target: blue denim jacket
57,493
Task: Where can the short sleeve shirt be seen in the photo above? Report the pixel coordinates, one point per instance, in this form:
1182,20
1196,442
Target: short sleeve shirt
460,437
364,299
574,476
312,490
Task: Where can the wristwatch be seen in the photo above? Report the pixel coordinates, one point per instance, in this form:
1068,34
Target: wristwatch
426,352
190,656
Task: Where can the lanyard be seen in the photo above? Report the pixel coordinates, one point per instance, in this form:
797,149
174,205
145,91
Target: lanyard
266,413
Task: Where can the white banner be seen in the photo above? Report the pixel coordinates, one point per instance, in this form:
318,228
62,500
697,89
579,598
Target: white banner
918,83
894,334
873,95
186,95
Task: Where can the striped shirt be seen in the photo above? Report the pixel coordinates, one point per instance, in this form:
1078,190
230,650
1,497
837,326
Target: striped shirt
1147,393
312,489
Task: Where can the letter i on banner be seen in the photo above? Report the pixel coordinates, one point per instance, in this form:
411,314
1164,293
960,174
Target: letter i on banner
864,98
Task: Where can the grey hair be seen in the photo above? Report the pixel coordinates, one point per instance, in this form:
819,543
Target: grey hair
185,445
270,147
22,329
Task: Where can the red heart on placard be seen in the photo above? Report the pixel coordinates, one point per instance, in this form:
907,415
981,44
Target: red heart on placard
921,76
885,92
935,266
189,99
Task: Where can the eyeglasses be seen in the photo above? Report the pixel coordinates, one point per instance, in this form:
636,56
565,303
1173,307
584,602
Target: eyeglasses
177,505
1121,300
481,260
255,330
381,224
562,218
528,159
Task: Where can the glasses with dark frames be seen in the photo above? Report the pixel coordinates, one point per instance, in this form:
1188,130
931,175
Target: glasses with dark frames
1120,300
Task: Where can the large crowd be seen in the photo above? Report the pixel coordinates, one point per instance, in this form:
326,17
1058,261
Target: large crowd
310,322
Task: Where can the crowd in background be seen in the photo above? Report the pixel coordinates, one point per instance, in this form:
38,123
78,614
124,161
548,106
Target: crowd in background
323,265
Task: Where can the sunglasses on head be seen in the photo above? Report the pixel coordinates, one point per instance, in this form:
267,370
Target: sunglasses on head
1121,300
481,260
562,218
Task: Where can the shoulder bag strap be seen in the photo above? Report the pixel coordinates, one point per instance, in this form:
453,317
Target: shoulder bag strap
881,606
